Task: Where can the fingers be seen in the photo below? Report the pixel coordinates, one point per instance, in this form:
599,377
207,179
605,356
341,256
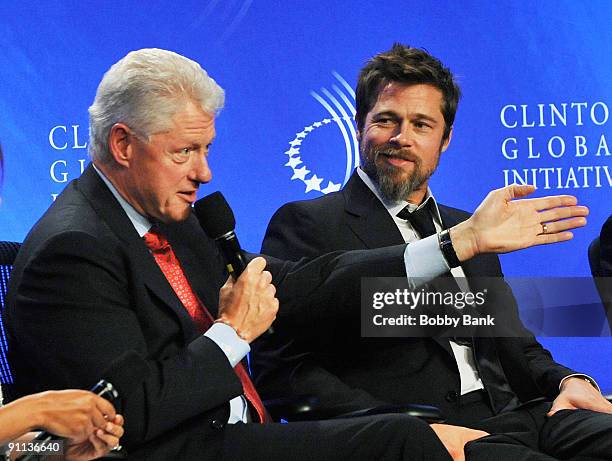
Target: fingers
265,283
256,265
104,439
559,406
249,305
561,226
119,420
106,408
103,442
557,214
517,191
553,201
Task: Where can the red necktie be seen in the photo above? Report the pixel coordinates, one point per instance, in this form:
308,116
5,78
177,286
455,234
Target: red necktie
171,267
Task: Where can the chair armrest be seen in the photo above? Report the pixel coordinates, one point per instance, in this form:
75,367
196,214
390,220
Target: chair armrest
297,408
307,407
427,413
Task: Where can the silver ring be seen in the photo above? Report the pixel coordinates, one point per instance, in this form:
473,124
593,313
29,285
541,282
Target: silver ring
544,228
117,447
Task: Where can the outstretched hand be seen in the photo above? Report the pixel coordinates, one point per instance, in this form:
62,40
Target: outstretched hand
502,224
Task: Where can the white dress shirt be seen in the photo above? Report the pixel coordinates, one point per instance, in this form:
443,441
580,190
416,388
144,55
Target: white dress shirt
464,355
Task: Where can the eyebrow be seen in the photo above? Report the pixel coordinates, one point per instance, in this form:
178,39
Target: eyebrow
426,117
393,114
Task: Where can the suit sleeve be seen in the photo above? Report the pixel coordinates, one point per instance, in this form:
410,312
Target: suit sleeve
86,283
284,363
525,350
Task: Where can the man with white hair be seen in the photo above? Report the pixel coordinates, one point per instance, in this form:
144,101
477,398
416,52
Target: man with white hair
119,263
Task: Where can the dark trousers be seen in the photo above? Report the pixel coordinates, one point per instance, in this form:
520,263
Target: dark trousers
526,433
377,438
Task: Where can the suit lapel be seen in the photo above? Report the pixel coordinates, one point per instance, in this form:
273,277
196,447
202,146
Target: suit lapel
110,211
367,217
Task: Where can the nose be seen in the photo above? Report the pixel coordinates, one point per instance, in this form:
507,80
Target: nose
402,136
200,170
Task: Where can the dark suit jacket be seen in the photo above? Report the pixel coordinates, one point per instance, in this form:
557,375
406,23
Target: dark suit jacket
605,245
350,373
84,289
604,284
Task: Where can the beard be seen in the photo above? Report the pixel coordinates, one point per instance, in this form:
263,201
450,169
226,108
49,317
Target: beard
393,182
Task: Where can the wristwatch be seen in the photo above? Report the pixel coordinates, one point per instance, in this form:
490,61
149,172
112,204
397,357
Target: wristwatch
447,249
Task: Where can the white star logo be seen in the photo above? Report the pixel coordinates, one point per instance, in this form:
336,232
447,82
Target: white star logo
293,162
313,183
300,173
331,187
295,155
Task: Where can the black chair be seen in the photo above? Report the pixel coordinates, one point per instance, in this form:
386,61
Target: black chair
8,253
307,407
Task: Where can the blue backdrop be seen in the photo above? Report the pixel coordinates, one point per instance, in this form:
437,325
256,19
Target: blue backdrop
536,81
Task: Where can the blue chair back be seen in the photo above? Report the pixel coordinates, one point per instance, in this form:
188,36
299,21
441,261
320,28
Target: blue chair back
8,253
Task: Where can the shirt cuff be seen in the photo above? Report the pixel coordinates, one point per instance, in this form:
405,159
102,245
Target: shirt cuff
424,261
233,346
582,376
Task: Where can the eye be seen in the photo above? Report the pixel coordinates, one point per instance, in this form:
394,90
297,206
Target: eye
182,155
384,121
421,124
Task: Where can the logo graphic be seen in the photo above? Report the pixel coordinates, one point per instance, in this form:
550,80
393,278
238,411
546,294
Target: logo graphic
340,105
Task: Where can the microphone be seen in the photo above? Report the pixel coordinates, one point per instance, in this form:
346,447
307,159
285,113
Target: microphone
217,220
123,376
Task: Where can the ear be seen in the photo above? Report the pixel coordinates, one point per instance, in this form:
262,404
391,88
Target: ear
447,140
120,144
358,132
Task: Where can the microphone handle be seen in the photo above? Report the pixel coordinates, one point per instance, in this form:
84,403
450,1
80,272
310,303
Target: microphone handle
235,260
232,253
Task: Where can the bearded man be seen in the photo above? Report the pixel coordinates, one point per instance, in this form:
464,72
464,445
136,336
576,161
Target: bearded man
406,102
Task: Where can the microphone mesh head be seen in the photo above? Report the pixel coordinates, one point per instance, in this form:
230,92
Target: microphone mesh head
215,215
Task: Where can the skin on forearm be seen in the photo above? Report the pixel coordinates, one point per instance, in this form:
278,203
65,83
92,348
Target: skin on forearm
25,438
17,418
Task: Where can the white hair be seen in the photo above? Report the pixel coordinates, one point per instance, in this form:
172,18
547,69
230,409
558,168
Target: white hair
144,90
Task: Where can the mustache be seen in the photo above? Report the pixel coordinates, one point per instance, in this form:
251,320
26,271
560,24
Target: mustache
391,151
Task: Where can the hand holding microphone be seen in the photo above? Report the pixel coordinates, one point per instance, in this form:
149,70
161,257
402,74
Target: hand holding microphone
247,301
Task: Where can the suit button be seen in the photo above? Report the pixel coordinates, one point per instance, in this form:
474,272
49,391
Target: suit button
217,424
451,396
